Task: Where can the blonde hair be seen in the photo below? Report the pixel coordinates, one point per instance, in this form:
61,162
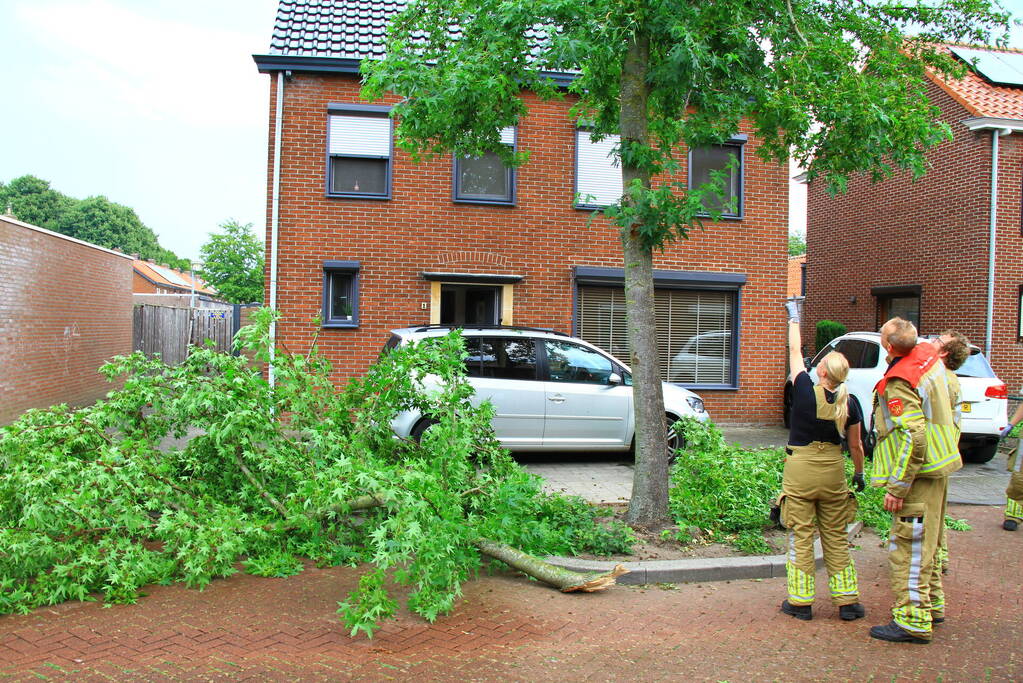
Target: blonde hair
836,370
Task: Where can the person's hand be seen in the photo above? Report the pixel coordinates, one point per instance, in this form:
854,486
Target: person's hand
858,483
891,503
1006,429
792,308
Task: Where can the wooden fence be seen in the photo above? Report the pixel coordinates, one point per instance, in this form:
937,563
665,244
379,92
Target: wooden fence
169,331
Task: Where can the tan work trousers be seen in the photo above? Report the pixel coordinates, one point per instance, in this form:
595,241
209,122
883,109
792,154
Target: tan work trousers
816,498
912,555
1014,492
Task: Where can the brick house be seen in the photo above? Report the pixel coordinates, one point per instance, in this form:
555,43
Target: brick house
369,241
924,250
152,278
65,309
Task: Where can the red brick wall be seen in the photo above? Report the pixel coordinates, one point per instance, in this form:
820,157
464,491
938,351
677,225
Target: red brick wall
932,232
794,286
542,238
65,308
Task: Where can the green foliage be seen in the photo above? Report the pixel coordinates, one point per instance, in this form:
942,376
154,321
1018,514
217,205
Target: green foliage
826,331
721,488
797,244
233,263
96,501
957,524
96,219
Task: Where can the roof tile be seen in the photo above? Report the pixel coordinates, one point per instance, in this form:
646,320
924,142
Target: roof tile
981,97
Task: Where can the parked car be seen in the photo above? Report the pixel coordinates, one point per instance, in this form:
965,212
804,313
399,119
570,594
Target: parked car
984,399
550,391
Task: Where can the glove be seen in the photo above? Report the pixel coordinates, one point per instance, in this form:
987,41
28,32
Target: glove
1005,430
792,308
858,483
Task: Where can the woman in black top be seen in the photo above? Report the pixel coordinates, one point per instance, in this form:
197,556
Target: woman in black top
815,496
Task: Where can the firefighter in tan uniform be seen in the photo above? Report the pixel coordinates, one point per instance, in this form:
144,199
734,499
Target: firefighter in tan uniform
815,496
1014,493
916,451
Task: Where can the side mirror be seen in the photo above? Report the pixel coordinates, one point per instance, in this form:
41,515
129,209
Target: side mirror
806,363
614,379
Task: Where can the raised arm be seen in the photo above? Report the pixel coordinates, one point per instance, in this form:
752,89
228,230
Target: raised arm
795,340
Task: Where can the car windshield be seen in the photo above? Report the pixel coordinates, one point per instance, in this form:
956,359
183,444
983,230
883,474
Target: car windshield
976,366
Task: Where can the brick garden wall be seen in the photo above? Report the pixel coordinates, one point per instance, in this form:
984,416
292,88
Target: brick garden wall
65,308
421,229
931,232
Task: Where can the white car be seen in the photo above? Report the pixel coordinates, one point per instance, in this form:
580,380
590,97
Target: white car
984,399
550,392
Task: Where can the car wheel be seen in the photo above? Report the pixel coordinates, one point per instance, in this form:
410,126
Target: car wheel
787,405
674,441
421,428
980,454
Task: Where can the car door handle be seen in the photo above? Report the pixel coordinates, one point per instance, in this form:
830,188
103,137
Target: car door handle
556,398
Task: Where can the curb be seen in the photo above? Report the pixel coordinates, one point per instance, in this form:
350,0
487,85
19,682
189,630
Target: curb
697,570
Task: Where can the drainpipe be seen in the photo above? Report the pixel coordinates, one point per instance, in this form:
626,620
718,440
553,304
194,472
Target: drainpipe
992,230
275,213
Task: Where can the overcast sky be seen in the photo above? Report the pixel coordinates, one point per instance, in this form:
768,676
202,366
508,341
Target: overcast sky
156,104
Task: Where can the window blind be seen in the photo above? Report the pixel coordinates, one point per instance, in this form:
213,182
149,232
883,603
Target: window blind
695,331
598,175
368,136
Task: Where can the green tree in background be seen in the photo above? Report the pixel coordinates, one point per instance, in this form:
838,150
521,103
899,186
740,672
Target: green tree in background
96,219
32,200
837,85
797,244
233,263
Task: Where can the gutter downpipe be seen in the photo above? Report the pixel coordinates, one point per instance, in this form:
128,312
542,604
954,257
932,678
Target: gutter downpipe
992,231
275,213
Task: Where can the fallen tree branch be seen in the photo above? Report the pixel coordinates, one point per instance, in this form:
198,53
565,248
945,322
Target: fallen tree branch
563,579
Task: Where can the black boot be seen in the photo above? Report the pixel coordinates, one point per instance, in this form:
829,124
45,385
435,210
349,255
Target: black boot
804,612
850,612
1010,525
894,633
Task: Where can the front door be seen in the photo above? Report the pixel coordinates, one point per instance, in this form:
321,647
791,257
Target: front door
469,305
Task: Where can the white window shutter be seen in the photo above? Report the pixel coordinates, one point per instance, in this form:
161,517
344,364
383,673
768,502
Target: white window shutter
365,136
598,174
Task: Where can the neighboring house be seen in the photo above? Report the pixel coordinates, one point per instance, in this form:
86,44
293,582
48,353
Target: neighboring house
152,278
923,250
796,276
65,309
367,241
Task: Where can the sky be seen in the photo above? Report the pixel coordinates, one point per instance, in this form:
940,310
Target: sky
155,104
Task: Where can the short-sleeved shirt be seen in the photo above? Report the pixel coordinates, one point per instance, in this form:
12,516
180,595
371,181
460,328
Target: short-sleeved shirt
804,427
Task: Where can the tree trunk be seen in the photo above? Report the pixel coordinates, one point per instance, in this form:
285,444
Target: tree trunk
648,506
566,580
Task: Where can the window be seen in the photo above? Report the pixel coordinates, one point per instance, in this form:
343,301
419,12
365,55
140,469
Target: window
1020,320
567,362
705,163
859,353
696,331
898,302
341,294
469,305
598,175
486,179
359,150
507,358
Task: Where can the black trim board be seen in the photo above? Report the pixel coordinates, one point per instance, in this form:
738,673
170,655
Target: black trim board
473,278
663,279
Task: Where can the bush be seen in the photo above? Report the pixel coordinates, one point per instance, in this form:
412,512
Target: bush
828,330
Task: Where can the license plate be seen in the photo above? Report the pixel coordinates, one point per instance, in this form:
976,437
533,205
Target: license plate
966,407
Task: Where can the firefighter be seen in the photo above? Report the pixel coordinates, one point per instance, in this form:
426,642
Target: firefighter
915,454
1014,493
814,485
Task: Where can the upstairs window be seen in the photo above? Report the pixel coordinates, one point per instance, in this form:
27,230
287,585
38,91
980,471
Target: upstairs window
486,179
598,173
705,162
359,150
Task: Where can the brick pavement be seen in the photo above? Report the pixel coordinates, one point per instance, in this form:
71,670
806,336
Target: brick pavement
506,628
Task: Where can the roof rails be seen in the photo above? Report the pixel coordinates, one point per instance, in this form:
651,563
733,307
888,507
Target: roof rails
520,328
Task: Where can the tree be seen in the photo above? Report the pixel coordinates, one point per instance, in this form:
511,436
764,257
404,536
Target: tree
32,200
92,501
838,85
232,261
797,244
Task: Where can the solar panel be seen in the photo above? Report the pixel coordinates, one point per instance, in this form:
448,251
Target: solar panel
1001,68
170,275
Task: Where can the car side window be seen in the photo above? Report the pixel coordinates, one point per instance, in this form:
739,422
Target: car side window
568,362
475,357
507,358
852,349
